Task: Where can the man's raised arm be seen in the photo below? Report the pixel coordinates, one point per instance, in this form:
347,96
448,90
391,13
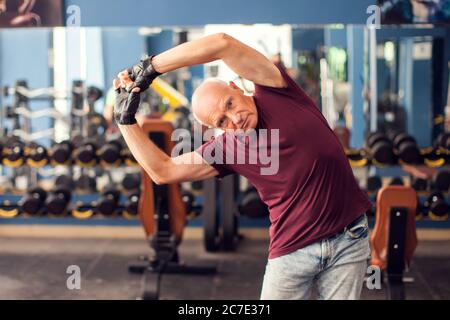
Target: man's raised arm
242,59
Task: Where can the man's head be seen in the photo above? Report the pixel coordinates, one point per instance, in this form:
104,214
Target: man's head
218,105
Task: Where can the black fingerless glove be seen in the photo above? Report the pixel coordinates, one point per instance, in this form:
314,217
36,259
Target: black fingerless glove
142,74
127,104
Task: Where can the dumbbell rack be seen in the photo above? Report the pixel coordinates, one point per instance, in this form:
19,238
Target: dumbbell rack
21,117
394,170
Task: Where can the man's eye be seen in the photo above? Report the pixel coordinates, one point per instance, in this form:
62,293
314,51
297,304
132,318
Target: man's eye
229,104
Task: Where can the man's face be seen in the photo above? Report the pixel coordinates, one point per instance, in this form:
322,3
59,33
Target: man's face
226,107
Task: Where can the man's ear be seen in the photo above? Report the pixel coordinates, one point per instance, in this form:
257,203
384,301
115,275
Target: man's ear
234,86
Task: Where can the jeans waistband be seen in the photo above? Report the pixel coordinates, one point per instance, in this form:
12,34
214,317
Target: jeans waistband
349,226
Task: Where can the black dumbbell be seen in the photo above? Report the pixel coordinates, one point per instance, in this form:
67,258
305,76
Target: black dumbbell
437,207
405,147
86,183
108,202
9,209
441,181
97,125
83,210
33,202
357,157
128,157
421,210
374,183
93,94
252,206
85,154
131,181
380,148
182,120
36,155
131,207
396,181
13,153
442,141
110,153
60,196
60,153
419,184
434,157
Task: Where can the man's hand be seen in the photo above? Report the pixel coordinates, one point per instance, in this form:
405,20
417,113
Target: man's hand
127,103
142,74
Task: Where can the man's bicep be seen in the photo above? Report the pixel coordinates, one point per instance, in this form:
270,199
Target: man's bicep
251,64
190,167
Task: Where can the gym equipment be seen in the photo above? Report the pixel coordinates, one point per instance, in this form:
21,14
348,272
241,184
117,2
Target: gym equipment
420,185
93,94
96,124
210,216
131,181
374,183
442,141
229,212
433,157
9,209
252,206
197,185
441,181
108,202
131,207
83,210
110,153
33,202
406,149
421,211
193,210
85,154
437,207
60,153
60,196
394,237
357,157
396,181
13,152
86,183
163,216
380,148
36,155
128,158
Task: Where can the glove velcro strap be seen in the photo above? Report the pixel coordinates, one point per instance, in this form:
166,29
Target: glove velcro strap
125,119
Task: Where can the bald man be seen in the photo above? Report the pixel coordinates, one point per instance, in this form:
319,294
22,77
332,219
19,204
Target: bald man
318,232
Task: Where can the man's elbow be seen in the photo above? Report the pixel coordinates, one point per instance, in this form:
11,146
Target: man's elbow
223,40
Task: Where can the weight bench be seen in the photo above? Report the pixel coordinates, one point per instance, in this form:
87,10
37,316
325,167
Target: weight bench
163,216
394,238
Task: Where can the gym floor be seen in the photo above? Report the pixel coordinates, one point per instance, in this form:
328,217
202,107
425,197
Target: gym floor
35,268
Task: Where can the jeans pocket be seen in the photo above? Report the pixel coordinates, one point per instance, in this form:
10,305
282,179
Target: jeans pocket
359,229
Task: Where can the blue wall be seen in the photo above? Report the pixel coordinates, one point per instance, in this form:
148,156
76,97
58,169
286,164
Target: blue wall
121,49
200,12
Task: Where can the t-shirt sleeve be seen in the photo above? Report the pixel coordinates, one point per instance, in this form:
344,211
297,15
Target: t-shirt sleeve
208,152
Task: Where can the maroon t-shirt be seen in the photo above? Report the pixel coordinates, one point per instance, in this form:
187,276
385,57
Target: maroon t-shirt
314,194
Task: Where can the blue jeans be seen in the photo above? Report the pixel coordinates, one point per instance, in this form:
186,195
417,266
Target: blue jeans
336,266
